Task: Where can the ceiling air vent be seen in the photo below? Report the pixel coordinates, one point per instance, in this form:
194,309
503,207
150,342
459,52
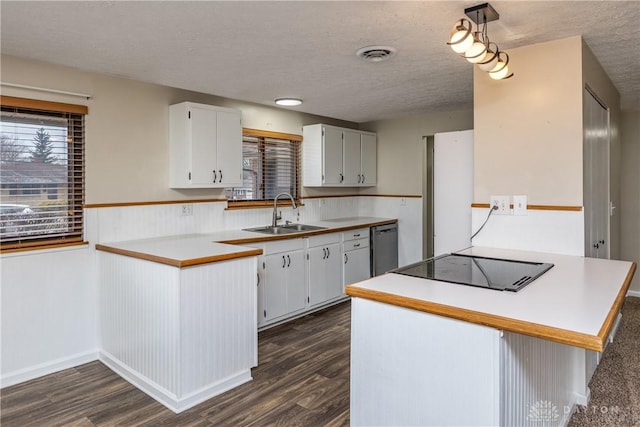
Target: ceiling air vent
376,53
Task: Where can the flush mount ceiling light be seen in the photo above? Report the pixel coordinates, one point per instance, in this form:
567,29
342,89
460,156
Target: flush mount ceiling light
288,102
475,47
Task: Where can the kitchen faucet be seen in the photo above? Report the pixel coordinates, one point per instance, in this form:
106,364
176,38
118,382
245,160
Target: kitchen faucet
276,217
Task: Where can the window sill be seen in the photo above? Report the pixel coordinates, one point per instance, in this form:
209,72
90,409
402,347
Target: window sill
258,204
33,250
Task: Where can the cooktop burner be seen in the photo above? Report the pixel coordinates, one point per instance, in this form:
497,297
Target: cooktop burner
471,270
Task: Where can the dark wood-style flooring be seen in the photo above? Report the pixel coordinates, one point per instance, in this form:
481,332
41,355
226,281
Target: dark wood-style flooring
302,379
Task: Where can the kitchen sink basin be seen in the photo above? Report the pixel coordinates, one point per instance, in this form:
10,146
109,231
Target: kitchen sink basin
284,229
302,227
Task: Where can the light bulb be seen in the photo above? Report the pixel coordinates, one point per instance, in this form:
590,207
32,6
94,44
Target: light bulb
460,37
461,40
500,71
476,52
489,62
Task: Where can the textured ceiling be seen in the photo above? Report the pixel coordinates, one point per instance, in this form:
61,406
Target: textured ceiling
258,51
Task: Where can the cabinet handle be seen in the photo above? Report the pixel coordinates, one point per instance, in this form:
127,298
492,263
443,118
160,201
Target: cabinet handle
324,250
596,246
356,235
357,245
346,258
362,179
341,177
220,170
358,178
328,253
288,260
258,276
284,262
215,176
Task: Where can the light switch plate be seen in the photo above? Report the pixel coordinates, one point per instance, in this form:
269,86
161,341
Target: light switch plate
520,205
503,204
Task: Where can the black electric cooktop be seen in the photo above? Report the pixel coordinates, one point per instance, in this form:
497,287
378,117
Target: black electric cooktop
471,270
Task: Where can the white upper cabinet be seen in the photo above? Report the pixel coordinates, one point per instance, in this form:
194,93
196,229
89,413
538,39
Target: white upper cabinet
205,146
338,157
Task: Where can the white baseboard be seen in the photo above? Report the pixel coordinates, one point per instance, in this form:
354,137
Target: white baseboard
633,294
26,374
166,397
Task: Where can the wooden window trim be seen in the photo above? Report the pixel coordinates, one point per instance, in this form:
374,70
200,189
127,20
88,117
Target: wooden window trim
74,181
36,104
261,204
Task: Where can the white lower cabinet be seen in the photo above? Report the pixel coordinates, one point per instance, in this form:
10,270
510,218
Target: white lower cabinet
357,262
281,280
300,275
324,269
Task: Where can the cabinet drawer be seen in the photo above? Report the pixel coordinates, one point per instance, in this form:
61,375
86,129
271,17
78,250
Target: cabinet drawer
323,239
355,244
355,234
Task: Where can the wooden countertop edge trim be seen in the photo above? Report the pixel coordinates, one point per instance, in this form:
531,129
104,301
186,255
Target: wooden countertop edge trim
270,238
563,336
180,263
605,330
536,207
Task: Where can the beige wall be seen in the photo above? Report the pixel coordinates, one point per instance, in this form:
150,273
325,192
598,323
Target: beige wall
528,129
127,128
400,148
127,133
629,209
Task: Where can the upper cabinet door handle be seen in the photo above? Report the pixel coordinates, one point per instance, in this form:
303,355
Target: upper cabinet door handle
220,170
215,176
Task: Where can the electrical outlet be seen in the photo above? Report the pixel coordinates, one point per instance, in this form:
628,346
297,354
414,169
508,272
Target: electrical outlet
187,209
520,205
403,201
503,204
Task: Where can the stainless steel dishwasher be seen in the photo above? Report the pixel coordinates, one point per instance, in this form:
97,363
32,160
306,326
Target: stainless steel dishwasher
384,248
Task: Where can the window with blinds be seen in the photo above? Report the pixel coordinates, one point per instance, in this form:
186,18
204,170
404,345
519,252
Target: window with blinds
270,165
41,173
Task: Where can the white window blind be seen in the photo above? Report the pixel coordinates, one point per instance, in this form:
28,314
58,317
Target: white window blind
41,176
269,166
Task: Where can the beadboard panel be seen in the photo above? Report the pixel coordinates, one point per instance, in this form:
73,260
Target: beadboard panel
560,232
139,317
180,335
538,382
218,322
407,368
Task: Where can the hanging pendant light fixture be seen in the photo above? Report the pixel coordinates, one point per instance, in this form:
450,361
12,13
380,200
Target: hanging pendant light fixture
475,46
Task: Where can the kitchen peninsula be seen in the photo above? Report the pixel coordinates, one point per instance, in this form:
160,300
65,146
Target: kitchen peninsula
178,314
426,352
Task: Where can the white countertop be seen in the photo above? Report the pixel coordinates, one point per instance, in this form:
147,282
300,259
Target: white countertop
573,301
195,249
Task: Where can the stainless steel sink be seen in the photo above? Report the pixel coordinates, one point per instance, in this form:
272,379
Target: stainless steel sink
302,227
284,229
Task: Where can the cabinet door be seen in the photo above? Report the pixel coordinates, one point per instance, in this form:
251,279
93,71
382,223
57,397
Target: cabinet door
351,159
369,159
332,156
296,284
317,275
229,149
203,124
275,286
356,266
333,272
